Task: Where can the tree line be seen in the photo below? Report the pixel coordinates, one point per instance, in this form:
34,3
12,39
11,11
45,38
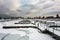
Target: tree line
39,17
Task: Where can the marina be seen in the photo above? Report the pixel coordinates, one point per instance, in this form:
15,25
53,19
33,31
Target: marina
40,26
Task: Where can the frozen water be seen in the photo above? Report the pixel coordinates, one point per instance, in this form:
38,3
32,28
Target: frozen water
21,33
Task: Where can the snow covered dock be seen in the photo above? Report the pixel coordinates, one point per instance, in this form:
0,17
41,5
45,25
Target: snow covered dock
21,33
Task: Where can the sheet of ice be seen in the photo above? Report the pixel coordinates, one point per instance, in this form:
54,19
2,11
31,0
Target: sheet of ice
2,35
35,35
22,34
12,31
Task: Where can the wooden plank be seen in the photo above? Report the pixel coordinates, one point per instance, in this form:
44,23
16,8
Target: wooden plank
54,26
5,27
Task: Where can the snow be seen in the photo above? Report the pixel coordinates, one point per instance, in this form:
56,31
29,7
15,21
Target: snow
56,30
21,33
11,23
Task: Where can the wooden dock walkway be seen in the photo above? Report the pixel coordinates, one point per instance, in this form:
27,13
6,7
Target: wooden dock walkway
12,27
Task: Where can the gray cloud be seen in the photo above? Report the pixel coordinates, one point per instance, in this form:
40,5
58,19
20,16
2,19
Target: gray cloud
28,8
52,13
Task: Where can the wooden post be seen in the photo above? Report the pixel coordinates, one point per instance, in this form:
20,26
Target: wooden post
53,29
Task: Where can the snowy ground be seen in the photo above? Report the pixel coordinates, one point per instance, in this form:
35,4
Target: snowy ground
21,33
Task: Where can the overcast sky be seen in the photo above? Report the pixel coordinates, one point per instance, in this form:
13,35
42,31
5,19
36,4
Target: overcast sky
29,7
